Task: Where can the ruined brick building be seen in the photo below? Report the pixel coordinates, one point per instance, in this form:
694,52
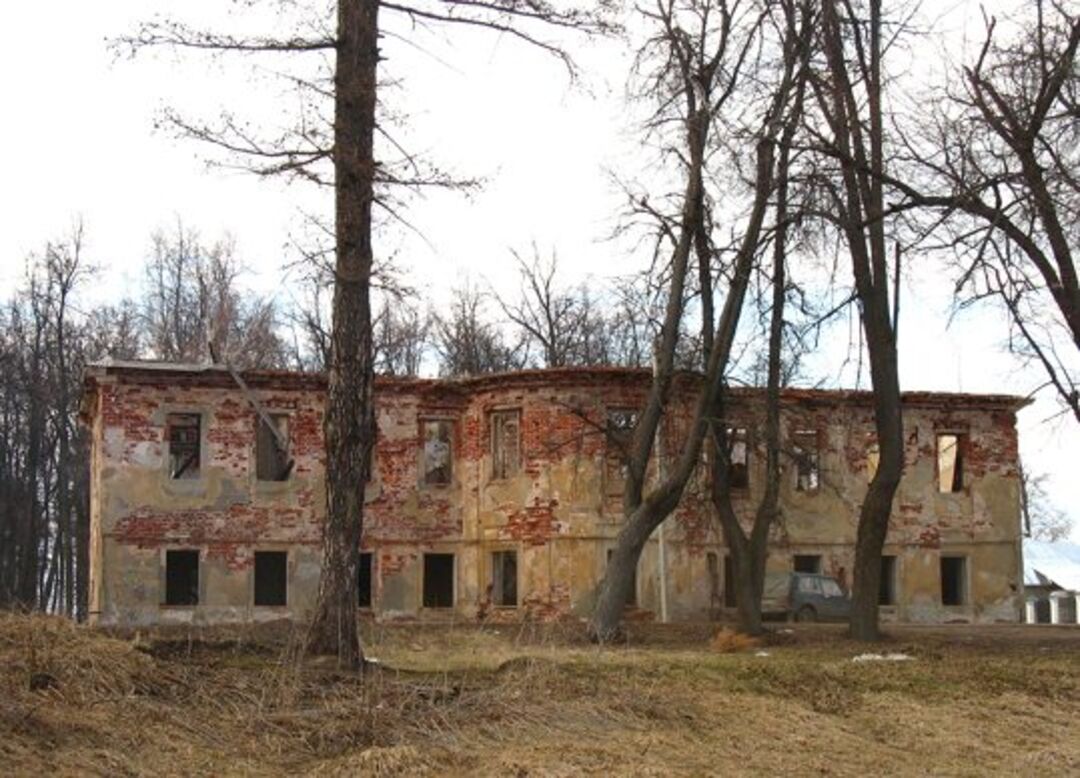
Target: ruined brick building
500,496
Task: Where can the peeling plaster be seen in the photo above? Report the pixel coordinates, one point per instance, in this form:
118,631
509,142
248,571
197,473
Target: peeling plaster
560,513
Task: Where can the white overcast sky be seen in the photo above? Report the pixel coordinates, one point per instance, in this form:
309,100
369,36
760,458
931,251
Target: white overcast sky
78,132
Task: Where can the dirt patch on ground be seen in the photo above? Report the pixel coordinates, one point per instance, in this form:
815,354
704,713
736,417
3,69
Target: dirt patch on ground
535,700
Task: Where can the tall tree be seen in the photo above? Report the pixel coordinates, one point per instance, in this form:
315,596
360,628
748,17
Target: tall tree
348,146
793,25
470,343
999,167
849,93
194,308
698,50
44,506
563,324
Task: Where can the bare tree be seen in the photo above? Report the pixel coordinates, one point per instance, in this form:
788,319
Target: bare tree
563,323
1043,520
695,58
468,342
1001,166
402,332
115,331
193,305
44,499
793,25
344,154
849,94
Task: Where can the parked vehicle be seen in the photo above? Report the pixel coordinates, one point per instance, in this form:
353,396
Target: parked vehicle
804,597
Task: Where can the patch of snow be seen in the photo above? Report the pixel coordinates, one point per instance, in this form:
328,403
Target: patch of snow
882,658
762,653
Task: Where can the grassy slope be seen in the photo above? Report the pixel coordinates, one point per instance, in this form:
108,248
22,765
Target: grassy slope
540,702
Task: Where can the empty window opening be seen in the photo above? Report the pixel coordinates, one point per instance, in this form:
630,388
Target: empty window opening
182,577
807,563
505,444
633,580
183,434
950,460
363,575
271,574
887,587
729,582
953,580
438,454
504,579
807,460
712,562
873,459
438,580
272,461
738,458
621,423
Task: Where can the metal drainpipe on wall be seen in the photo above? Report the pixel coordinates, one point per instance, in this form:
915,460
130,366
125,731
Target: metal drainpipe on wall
662,549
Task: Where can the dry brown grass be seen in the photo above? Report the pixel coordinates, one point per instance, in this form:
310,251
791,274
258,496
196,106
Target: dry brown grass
538,701
727,641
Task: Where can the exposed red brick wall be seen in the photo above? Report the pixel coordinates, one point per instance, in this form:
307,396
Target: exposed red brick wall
562,415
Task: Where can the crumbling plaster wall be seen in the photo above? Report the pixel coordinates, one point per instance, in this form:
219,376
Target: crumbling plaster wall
225,513
981,522
560,513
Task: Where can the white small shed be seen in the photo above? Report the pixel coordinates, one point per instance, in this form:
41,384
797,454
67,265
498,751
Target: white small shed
1051,582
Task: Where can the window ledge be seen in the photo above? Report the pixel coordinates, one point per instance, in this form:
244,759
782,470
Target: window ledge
193,487
271,487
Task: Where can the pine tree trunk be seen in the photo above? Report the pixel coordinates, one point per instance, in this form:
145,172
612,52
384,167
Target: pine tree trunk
349,424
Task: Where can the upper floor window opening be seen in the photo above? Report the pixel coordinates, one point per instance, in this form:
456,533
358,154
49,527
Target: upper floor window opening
505,443
437,455
272,460
805,449
183,431
738,450
950,462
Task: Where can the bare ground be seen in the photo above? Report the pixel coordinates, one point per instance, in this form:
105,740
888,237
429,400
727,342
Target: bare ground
539,700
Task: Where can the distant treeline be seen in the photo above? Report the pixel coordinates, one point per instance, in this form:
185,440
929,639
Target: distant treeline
193,306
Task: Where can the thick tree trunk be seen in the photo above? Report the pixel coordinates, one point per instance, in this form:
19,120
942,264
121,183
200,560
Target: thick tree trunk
616,587
349,424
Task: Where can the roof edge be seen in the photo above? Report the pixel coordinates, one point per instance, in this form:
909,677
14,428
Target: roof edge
216,374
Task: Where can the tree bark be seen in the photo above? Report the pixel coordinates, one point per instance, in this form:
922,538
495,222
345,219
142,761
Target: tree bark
749,552
862,209
614,589
349,424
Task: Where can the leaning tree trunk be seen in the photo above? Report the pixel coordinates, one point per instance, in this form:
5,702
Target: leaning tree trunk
349,424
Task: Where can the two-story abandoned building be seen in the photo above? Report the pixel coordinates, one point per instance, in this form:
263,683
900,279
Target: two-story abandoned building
500,497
